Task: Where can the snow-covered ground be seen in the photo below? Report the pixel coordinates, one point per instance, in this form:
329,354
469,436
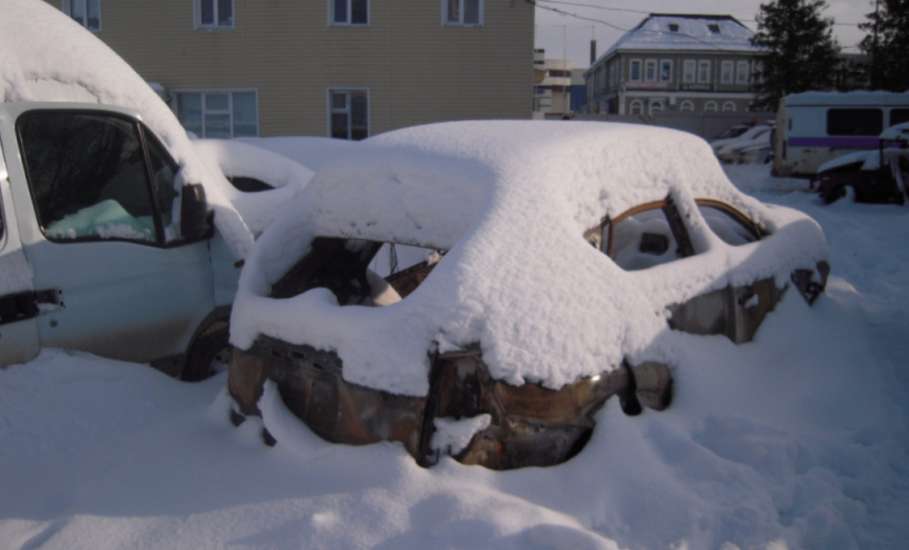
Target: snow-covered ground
797,440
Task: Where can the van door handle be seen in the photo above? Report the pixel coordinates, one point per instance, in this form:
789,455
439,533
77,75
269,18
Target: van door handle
28,305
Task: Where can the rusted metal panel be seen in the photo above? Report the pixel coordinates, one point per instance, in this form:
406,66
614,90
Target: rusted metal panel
531,425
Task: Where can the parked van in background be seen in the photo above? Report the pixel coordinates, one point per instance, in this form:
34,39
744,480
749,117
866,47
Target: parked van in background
814,127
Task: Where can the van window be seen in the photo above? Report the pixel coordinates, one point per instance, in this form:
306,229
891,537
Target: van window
87,176
899,116
163,180
855,122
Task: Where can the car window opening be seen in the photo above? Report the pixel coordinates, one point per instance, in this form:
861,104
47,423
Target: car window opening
645,236
359,272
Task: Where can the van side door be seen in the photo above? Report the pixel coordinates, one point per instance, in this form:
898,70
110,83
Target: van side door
18,303
104,192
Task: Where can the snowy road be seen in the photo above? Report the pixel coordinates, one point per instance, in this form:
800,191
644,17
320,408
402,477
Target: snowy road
799,439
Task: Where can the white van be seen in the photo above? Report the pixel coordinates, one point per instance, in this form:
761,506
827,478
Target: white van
104,247
814,127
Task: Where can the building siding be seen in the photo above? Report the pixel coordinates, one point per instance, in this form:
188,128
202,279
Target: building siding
416,69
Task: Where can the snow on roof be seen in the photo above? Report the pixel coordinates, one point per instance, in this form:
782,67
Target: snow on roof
510,200
876,98
46,56
661,31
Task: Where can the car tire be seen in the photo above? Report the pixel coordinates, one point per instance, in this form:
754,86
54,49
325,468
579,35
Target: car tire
209,353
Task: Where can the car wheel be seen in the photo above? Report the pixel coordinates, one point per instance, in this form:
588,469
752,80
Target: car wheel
209,353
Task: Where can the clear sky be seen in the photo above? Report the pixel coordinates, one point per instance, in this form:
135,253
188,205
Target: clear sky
564,36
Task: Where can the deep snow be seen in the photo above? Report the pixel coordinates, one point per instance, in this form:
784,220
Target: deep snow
799,439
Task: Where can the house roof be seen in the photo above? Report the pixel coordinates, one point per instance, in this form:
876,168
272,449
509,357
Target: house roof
686,31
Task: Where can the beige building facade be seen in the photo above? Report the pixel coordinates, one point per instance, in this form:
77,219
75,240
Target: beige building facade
348,68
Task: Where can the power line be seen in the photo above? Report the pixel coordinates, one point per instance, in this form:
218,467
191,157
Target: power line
644,12
612,25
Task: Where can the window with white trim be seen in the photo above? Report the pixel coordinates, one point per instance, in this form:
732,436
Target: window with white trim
742,72
348,114
704,71
86,12
665,70
650,70
214,14
349,12
710,107
636,107
727,71
634,70
689,71
729,107
686,106
218,113
463,12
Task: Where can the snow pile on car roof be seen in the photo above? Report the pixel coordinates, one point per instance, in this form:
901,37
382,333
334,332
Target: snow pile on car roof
236,159
46,56
510,201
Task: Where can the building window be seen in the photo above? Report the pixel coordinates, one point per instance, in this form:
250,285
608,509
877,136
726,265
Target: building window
348,114
704,71
686,106
650,70
218,113
86,12
656,106
665,70
636,107
689,71
710,107
349,12
634,70
742,72
214,14
463,12
727,70
729,107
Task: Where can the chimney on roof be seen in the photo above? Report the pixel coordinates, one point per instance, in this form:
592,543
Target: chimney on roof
593,52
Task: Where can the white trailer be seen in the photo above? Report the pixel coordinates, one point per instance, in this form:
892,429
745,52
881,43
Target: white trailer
814,127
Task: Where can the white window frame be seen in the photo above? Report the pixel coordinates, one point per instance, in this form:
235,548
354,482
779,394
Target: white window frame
711,106
660,70
690,71
631,63
727,71
648,64
742,72
656,106
348,23
214,25
686,106
481,19
705,63
66,7
329,110
230,104
729,107
631,107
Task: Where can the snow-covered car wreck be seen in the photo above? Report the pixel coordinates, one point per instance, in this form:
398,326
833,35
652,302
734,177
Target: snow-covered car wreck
876,176
562,263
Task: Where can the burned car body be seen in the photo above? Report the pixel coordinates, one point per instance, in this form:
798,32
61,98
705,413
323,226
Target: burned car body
537,296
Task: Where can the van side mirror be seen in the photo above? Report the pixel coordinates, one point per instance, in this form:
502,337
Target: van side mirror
195,218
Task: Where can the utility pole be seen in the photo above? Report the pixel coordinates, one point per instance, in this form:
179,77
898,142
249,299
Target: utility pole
875,58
